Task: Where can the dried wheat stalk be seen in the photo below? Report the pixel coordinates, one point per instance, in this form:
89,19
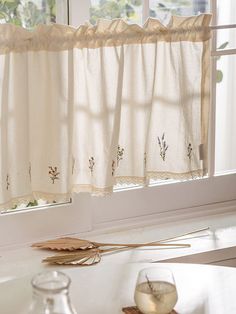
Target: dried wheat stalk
84,257
71,244
85,253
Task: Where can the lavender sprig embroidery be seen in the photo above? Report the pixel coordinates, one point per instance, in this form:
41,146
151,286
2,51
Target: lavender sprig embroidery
120,153
91,164
189,151
53,173
163,146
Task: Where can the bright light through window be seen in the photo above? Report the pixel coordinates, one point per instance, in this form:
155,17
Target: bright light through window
226,114
28,13
225,90
162,9
130,10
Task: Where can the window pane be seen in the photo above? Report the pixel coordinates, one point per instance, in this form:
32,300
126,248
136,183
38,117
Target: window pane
130,10
226,114
35,204
28,13
226,11
226,39
162,8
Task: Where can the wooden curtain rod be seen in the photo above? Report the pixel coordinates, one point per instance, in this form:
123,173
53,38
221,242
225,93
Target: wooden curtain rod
215,27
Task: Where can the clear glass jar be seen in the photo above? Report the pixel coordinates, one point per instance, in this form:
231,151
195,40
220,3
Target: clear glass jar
51,294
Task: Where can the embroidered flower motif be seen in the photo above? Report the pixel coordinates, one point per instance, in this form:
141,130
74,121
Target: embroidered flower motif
30,171
91,164
163,146
190,150
73,165
7,182
145,160
120,153
113,165
54,174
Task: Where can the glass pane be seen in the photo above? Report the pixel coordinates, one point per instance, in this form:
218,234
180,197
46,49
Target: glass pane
226,38
130,10
226,114
226,12
28,13
162,8
35,204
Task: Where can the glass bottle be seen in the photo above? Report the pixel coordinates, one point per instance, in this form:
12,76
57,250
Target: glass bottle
51,294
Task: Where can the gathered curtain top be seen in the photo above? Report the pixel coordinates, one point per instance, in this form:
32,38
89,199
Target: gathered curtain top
85,109
115,32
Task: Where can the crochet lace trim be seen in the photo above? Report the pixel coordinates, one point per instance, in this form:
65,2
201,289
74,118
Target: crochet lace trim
99,191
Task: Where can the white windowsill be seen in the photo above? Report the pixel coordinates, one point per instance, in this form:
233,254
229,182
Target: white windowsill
208,247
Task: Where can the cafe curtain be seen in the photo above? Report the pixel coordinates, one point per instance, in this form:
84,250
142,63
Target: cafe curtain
82,110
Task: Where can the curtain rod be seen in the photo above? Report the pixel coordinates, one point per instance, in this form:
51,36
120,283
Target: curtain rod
222,26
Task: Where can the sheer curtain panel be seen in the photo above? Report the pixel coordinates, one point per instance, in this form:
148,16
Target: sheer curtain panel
84,109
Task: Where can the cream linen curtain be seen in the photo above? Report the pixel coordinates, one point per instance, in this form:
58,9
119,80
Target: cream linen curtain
84,109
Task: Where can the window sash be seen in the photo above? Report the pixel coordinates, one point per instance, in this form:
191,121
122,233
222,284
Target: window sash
167,202
76,19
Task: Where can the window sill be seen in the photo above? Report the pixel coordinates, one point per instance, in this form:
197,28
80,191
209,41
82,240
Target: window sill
207,247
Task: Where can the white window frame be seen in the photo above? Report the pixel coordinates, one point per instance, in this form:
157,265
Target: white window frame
167,202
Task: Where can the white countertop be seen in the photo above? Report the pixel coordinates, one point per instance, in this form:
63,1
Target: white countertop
19,264
107,288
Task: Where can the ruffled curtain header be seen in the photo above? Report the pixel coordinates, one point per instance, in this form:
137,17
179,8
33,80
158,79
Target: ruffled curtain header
57,37
84,109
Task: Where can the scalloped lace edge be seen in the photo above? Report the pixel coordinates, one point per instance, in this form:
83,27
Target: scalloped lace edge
97,191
